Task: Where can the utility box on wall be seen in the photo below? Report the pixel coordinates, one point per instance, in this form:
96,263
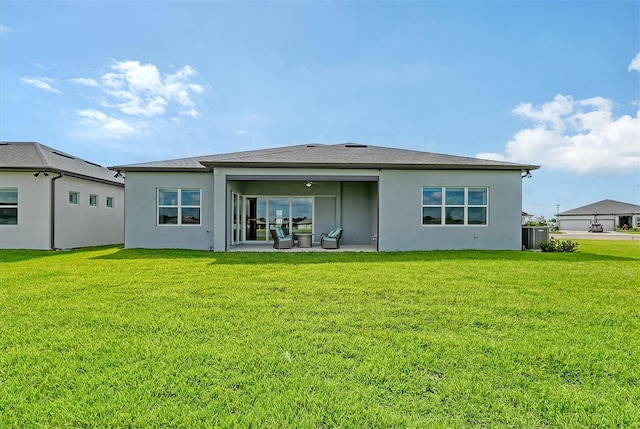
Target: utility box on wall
532,236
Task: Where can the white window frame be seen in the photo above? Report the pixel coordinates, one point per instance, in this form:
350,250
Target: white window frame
178,205
110,202
93,200
77,198
11,206
465,206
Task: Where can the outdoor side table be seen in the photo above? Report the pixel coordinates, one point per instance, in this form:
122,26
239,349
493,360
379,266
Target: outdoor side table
304,240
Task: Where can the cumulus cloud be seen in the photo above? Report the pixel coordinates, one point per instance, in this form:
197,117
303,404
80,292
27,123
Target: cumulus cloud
105,125
582,136
41,82
141,90
137,93
635,63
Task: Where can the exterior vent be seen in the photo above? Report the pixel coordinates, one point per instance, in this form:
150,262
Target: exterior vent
64,155
354,145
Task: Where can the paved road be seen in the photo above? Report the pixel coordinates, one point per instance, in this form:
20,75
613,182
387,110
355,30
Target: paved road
607,235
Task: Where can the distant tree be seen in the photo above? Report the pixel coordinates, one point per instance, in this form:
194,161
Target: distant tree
538,221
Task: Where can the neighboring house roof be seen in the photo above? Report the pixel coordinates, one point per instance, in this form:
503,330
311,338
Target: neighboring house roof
604,207
315,155
31,156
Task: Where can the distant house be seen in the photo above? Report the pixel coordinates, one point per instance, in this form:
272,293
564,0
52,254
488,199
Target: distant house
50,199
609,213
526,217
394,199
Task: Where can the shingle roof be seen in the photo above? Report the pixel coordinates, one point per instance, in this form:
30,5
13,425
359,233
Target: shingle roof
31,156
346,155
604,207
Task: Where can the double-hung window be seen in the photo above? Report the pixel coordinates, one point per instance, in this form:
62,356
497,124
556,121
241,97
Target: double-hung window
178,206
8,206
455,205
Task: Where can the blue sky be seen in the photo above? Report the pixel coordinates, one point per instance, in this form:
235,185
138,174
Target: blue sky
550,83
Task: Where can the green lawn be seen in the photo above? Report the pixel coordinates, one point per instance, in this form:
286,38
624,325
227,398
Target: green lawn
144,338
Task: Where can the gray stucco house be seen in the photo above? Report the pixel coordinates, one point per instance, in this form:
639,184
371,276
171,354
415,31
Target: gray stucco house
609,213
50,199
393,198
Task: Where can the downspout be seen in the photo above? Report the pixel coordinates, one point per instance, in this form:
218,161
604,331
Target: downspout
52,224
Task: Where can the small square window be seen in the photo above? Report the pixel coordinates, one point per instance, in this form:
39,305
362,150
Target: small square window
8,206
110,202
73,197
93,200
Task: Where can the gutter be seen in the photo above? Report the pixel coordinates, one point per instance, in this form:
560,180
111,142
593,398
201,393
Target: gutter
52,224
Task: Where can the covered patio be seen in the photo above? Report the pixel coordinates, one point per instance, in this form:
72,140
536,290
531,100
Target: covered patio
268,247
255,204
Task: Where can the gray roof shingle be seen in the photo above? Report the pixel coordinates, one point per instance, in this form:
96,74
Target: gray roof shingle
604,207
32,156
315,155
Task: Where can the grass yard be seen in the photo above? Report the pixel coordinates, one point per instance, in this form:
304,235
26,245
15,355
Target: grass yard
145,338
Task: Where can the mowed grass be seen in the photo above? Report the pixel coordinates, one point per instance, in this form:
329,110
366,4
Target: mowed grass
108,337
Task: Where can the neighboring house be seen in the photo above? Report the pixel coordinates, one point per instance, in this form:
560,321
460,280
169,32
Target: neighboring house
526,217
396,199
52,200
609,213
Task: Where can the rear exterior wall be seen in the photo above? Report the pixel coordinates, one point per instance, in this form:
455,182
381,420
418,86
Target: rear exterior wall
141,211
400,211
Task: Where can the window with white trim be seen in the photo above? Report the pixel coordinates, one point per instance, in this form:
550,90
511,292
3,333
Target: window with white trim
93,200
110,202
455,205
8,206
178,206
73,197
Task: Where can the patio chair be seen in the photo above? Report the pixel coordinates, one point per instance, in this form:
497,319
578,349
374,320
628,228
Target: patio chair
280,240
332,239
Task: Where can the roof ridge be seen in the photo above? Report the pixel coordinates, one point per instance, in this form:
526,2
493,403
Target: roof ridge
41,155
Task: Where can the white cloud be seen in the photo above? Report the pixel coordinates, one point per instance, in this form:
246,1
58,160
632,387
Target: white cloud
635,63
4,30
85,81
243,132
41,82
141,90
104,125
140,95
191,112
581,136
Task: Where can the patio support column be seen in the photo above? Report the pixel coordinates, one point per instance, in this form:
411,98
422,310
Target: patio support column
219,210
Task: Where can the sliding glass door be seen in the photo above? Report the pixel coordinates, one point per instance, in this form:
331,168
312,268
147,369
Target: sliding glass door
255,214
279,209
293,214
302,214
236,218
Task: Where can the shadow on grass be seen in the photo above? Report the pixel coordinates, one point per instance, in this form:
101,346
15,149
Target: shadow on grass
24,255
280,257
17,255
251,258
